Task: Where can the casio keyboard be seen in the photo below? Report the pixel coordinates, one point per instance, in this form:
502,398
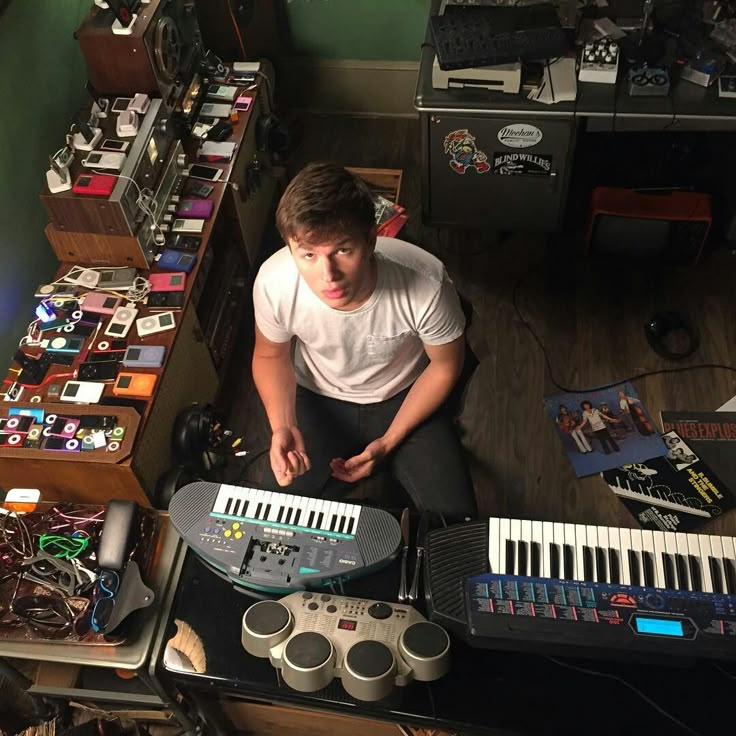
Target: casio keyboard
583,590
279,542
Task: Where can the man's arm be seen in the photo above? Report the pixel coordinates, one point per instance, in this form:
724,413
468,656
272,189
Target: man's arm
429,390
273,375
275,380
426,395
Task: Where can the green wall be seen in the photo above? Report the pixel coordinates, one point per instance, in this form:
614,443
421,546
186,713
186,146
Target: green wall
41,86
388,30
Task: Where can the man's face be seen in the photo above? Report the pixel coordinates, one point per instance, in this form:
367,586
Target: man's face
340,271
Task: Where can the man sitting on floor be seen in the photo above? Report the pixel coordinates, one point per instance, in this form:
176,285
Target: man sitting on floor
379,344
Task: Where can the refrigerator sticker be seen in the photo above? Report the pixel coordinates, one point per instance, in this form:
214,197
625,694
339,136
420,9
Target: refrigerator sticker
522,164
460,145
519,135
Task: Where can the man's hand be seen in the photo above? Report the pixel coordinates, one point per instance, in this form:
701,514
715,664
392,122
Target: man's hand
360,466
288,455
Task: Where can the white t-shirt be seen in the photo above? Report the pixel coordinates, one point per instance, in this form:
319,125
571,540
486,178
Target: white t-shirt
369,354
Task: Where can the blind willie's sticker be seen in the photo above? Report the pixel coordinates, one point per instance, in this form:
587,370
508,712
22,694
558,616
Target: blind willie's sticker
522,164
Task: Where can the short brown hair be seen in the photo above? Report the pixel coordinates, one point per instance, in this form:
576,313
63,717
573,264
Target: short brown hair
324,201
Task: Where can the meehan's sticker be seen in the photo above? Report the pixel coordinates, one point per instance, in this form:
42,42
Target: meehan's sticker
522,164
519,135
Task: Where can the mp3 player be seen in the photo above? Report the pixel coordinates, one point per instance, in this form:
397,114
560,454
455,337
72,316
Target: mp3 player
94,185
196,208
160,322
175,260
101,303
121,321
135,384
144,356
168,281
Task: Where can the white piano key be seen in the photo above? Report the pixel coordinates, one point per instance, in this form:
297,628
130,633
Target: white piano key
614,547
328,512
548,538
267,499
340,525
624,547
558,537
647,543
504,530
570,541
494,545
308,512
659,550
515,537
716,546
537,540
253,501
604,574
729,553
591,535
581,540
273,511
703,545
637,546
526,538
218,507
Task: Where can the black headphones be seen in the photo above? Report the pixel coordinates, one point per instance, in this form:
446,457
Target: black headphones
195,430
671,335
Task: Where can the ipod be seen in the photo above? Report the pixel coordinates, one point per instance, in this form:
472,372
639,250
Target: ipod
242,104
175,260
168,281
95,185
97,421
197,208
62,427
36,414
99,370
18,424
135,384
60,443
121,321
155,323
121,103
47,290
214,110
76,328
200,171
71,344
82,277
166,300
144,356
198,189
104,160
101,303
110,346
117,278
83,392
182,225
222,92
183,242
110,144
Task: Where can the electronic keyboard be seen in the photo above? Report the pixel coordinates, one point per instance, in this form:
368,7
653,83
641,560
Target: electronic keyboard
581,590
279,542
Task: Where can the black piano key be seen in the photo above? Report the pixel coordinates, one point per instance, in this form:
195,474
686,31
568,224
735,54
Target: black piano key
320,518
536,559
523,556
568,559
289,516
297,516
310,519
614,567
669,571
601,564
280,515
267,511
730,571
634,568
229,504
683,579
554,561
351,525
340,524
696,578
588,564
647,562
258,510
510,557
333,521
715,574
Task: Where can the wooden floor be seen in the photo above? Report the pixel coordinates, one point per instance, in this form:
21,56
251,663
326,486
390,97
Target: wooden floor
589,318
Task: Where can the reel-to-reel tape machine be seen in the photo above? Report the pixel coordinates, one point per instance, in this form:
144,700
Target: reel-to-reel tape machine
158,57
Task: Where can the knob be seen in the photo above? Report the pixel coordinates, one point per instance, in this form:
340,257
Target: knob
380,610
425,647
308,662
175,198
182,161
265,624
162,125
369,670
167,218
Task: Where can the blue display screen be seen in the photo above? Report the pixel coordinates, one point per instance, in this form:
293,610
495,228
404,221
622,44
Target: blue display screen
659,626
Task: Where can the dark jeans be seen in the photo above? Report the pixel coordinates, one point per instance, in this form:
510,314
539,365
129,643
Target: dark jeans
604,437
429,463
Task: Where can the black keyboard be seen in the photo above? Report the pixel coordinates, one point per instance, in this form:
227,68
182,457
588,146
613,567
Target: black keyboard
483,36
